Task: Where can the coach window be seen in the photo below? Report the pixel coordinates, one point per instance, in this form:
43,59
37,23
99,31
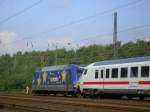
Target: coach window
85,71
96,74
124,72
114,73
134,72
107,73
102,71
145,71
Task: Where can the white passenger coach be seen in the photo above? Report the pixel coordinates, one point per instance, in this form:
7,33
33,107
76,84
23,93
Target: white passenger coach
130,77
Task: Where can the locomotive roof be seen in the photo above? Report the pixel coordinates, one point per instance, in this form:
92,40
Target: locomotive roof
121,61
55,68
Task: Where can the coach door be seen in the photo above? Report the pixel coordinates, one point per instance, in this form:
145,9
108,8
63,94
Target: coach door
102,78
133,76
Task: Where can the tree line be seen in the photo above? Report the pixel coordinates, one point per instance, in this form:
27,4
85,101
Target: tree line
16,72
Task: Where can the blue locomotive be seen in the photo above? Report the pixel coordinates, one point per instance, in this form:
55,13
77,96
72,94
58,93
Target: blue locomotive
56,79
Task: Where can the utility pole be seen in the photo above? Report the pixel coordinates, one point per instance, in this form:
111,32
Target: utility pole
55,45
56,54
115,46
15,62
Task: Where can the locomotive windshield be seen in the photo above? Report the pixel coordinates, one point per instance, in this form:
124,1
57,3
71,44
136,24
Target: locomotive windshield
85,71
79,72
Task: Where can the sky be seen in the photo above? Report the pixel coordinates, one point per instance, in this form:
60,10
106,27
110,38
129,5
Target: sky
52,23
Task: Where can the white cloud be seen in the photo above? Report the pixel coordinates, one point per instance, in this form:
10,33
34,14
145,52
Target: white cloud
7,37
8,42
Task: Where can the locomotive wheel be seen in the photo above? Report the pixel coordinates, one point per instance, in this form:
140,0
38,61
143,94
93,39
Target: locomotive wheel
83,95
129,97
141,97
54,94
74,94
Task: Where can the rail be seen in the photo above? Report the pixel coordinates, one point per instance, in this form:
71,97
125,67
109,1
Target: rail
63,104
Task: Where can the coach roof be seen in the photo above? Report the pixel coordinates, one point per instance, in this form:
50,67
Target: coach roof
120,61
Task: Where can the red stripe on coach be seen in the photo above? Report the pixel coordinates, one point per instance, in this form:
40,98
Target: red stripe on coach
144,82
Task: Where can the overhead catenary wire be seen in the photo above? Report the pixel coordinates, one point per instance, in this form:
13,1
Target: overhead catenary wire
91,16
72,22
121,31
134,28
93,36
20,12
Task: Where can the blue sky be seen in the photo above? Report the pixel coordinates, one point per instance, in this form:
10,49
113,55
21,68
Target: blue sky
35,25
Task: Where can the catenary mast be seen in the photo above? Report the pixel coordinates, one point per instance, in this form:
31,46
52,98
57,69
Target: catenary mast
115,47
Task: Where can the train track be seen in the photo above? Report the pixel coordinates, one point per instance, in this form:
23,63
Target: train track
65,104
115,101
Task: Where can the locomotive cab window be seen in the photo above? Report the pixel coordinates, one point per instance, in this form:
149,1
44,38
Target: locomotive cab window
124,72
107,73
145,71
114,73
85,72
96,74
79,72
134,72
